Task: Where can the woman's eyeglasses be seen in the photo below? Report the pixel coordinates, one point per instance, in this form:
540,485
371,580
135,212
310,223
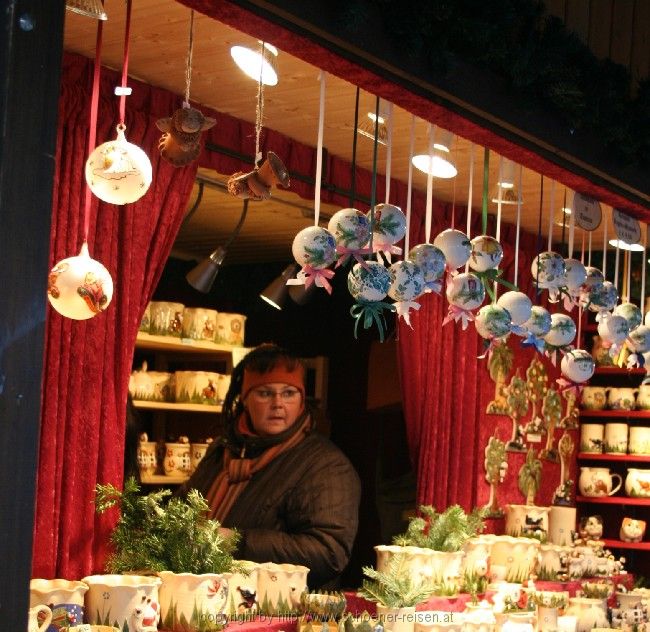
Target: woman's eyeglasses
268,394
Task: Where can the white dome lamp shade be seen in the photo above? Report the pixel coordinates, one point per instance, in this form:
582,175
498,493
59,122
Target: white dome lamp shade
258,64
509,191
439,163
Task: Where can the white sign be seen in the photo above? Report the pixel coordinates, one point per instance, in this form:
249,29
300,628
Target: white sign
626,227
587,211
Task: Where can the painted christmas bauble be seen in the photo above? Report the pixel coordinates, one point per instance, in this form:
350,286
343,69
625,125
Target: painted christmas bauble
646,320
370,283
548,270
640,339
594,276
539,323
518,304
430,259
465,290
389,225
603,297
314,246
562,332
577,365
118,172
493,321
486,253
576,274
456,247
406,281
631,313
351,228
79,287
613,328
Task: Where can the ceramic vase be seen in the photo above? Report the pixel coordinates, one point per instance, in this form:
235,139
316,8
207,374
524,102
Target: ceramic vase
396,619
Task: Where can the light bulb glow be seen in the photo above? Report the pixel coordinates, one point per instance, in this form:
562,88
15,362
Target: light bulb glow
436,164
252,63
623,245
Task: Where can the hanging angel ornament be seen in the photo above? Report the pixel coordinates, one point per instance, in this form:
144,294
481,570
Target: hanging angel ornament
560,336
180,143
314,249
549,272
406,284
536,327
496,467
552,411
388,225
499,365
351,230
432,263
517,400
369,285
520,308
576,275
492,323
465,292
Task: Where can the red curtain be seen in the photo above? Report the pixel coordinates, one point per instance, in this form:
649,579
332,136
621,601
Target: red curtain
87,363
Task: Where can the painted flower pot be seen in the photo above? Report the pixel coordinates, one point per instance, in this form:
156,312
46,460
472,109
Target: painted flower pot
591,613
166,318
231,329
279,587
191,602
477,555
396,619
517,556
550,564
65,599
242,590
637,483
527,520
416,561
439,621
199,323
561,525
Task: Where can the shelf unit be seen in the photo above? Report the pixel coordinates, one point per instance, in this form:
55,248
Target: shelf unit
626,414
613,500
620,544
190,408
163,479
631,458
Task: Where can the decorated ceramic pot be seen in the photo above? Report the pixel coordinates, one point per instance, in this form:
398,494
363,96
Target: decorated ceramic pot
197,452
406,281
561,525
389,225
350,227
548,270
639,339
197,387
486,253
514,558
177,461
315,247
430,259
562,332
621,397
152,386
493,321
590,613
615,438
577,365
539,323
64,598
637,483
632,530
519,306
527,521
118,172
639,440
466,291
603,297
455,246
369,283
79,287
592,438
613,328
594,397
242,589
231,329
199,323
631,313
166,318
147,456
576,275
279,587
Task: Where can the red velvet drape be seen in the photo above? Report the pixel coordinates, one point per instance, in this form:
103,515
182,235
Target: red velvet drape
87,363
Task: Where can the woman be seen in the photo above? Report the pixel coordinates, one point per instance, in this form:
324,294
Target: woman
292,494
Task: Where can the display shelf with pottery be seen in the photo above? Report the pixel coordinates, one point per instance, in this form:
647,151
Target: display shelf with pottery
169,343
615,370
193,408
620,544
162,479
613,500
638,458
627,414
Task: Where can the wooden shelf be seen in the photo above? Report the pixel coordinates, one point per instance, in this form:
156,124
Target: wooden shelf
163,479
628,414
191,408
619,544
612,500
638,458
615,370
169,343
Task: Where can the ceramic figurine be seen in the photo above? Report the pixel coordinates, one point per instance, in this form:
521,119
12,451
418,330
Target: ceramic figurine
496,467
571,414
552,410
530,477
181,142
517,399
632,530
591,528
563,492
499,365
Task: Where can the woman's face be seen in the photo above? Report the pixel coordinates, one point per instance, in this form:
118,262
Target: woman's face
273,407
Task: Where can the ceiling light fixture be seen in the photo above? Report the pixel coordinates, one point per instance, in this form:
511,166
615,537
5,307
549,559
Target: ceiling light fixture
623,245
90,8
566,210
276,292
506,183
367,128
439,163
255,63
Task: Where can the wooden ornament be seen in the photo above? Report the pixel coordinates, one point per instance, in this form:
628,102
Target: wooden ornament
499,365
181,142
517,400
571,413
256,185
496,466
552,411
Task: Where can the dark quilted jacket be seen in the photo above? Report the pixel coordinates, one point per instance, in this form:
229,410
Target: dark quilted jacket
302,508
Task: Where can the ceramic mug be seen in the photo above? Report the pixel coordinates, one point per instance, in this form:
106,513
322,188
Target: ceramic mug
230,329
166,319
643,398
32,621
598,481
622,398
615,438
197,452
591,438
177,458
199,323
637,483
64,598
147,457
594,397
639,440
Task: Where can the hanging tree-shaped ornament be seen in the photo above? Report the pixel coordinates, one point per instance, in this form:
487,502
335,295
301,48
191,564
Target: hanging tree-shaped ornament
530,477
496,467
406,284
560,336
571,412
368,285
465,292
552,411
493,324
351,230
499,365
536,388
517,400
180,143
566,446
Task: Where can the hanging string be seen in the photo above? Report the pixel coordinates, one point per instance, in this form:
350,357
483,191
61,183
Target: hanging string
572,231
551,210
123,90
92,123
628,263
427,217
389,148
589,256
409,188
499,201
486,178
470,189
539,228
519,201
373,188
259,112
188,63
582,252
605,246
319,149
353,166
563,219
616,263
644,264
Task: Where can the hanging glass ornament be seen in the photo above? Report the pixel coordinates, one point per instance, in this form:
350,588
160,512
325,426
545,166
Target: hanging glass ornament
560,336
351,230
432,263
406,284
631,313
486,253
520,308
118,172
456,247
79,287
602,297
613,330
639,343
646,319
369,284
576,275
535,328
549,272
594,277
493,321
314,249
465,292
389,227
577,365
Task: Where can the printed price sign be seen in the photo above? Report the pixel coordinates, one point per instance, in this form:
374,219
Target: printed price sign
626,227
587,211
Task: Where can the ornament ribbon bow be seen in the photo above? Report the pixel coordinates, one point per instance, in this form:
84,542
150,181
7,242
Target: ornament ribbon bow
403,309
489,277
570,386
552,352
346,253
569,302
458,313
309,275
532,340
370,312
433,286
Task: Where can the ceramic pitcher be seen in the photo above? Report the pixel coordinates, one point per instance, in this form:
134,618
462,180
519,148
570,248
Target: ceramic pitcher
598,481
637,483
65,599
32,621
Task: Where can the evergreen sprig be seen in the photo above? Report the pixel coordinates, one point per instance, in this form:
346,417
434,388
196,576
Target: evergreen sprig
155,533
446,531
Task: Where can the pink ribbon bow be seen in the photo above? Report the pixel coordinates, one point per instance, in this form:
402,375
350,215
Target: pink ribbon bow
570,385
309,275
458,313
346,253
403,309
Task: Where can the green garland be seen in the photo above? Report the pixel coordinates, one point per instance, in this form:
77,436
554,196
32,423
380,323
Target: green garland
540,59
